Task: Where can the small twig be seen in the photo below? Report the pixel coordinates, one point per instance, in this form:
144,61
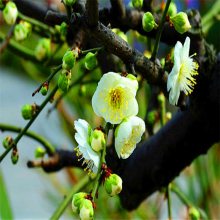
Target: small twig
159,32
49,148
47,81
24,130
7,39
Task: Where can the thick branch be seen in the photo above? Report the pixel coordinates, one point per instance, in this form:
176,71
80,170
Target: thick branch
92,13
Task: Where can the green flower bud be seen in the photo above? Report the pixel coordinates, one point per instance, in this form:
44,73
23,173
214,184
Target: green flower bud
44,89
113,184
161,98
194,213
22,30
64,80
27,111
148,22
69,60
69,2
162,62
76,201
10,13
39,152
137,3
90,61
151,117
172,10
180,22
86,211
14,155
7,141
97,140
168,116
43,49
120,34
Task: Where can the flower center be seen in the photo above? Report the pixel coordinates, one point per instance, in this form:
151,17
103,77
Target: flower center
116,97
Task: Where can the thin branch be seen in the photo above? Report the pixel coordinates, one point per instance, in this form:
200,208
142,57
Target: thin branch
7,39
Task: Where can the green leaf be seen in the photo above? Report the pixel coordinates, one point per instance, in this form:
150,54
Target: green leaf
5,206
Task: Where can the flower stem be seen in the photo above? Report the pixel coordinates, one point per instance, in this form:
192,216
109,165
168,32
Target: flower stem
24,130
76,188
91,50
159,32
48,147
169,202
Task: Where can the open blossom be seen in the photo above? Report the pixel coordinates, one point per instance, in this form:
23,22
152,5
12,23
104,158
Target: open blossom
114,98
84,150
181,76
127,135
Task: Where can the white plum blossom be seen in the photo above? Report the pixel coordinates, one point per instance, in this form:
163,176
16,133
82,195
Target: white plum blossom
127,135
114,98
84,150
181,76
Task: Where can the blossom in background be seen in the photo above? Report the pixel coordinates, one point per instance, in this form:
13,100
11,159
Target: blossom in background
181,76
127,135
114,98
84,150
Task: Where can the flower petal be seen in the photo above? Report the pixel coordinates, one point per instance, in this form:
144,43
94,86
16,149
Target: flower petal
185,50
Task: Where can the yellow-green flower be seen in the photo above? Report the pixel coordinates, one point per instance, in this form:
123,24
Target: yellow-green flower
114,98
182,75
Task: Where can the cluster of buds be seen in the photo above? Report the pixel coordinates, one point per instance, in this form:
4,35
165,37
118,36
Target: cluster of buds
90,61
148,22
10,13
43,49
83,206
28,111
22,30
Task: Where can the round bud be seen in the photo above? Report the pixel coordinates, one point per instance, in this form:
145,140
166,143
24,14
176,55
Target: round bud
97,140
64,80
10,13
14,155
194,213
180,22
137,3
69,60
90,61
39,152
27,111
43,49
113,184
22,30
161,98
69,2
63,30
172,10
86,211
168,116
148,22
44,90
76,201
7,141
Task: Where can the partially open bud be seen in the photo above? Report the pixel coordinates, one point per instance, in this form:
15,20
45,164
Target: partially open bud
69,2
172,10
194,213
90,61
137,3
28,111
86,211
7,141
22,30
97,140
76,201
69,60
180,22
148,22
113,184
14,155
64,80
39,152
10,13
43,49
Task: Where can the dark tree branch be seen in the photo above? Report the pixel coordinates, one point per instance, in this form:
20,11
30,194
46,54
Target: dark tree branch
92,13
118,8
